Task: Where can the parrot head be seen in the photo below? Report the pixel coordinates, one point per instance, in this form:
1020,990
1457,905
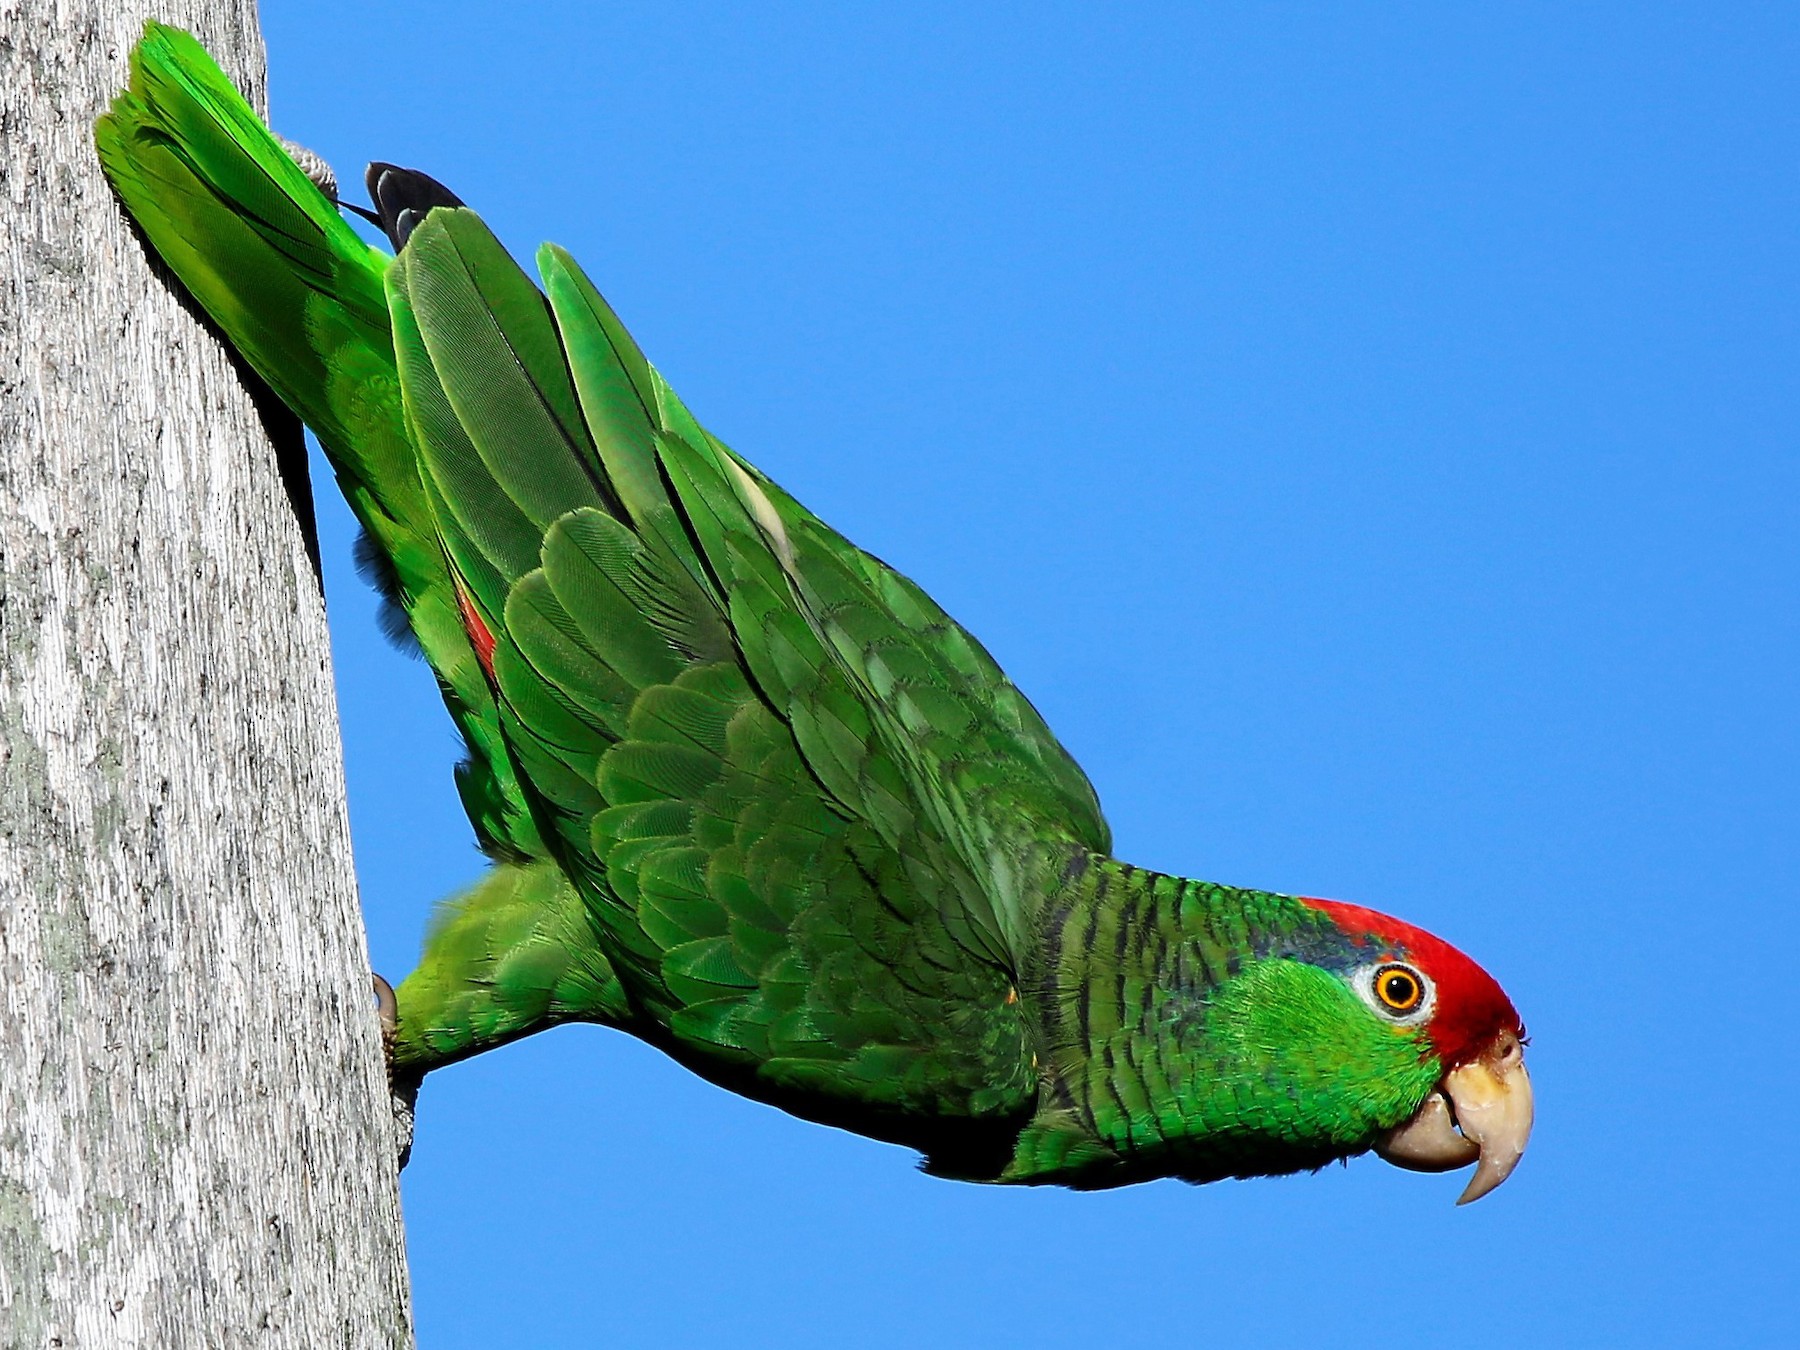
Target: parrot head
1463,1027
1358,1032
1377,1034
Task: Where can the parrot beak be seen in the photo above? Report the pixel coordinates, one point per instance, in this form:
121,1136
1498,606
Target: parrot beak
1489,1099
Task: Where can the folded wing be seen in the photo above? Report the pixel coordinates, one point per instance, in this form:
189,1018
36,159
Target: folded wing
808,811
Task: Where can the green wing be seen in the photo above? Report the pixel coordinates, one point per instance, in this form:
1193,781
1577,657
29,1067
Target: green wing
799,818
807,811
985,772
300,295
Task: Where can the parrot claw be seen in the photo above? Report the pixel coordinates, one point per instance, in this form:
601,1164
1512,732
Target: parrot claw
403,1089
389,1010
313,165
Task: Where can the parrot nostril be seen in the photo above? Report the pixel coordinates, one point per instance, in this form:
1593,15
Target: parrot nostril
1508,1051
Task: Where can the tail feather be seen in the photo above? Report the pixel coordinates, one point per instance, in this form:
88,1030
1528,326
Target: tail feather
303,298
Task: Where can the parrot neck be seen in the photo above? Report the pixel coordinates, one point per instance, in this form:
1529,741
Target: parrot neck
1138,1077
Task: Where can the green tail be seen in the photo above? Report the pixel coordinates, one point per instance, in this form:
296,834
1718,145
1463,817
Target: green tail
302,297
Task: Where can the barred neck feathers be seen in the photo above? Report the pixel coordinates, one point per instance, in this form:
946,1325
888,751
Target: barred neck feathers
1197,1030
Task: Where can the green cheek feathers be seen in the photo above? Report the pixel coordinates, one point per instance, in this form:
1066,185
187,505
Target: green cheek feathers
1288,1050
1277,1068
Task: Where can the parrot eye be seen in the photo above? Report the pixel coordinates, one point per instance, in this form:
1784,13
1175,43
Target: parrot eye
1397,990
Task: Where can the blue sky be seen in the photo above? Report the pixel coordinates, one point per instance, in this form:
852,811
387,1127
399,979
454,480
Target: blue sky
1368,434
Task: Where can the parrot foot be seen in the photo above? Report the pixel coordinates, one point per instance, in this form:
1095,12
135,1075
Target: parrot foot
388,1008
322,176
313,165
403,1087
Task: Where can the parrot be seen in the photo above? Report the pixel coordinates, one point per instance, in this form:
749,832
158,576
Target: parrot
748,793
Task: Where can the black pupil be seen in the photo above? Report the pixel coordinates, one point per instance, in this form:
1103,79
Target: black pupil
1399,988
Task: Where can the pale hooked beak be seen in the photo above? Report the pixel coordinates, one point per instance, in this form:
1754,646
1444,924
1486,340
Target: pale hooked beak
1489,1099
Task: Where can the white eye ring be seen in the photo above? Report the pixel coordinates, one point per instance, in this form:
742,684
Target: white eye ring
1382,987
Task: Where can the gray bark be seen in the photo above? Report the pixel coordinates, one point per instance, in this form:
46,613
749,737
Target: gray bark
195,1140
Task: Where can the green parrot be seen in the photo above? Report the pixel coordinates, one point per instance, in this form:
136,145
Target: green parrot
749,794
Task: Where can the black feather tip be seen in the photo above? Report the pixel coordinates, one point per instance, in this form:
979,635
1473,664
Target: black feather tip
403,198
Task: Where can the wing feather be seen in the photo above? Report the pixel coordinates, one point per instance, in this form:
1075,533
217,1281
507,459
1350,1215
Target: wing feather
783,780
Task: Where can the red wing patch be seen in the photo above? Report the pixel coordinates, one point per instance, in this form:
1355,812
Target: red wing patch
479,635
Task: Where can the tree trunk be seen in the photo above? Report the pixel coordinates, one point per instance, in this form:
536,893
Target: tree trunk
195,1140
